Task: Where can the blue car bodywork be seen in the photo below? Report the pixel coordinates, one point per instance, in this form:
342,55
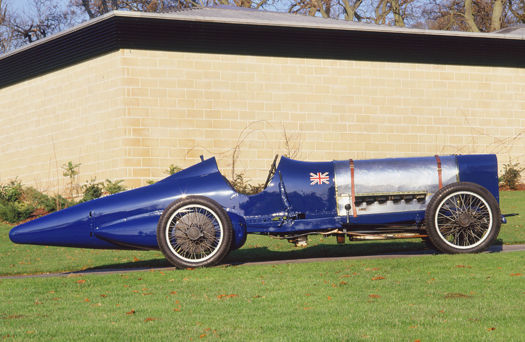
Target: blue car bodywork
355,198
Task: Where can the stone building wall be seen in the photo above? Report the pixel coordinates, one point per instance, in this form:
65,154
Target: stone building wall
130,114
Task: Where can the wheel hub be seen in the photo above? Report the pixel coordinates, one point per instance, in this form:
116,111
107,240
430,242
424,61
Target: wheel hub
465,220
194,233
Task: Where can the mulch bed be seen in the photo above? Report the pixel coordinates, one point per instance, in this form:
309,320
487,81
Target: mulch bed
520,187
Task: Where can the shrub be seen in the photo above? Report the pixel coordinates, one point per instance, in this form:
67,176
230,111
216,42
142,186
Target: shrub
14,212
48,203
114,187
511,175
12,207
39,199
18,203
11,192
91,190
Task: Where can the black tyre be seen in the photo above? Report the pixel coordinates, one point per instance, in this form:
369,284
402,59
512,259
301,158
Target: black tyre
194,232
462,218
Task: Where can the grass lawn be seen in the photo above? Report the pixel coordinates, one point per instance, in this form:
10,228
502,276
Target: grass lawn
431,298
514,230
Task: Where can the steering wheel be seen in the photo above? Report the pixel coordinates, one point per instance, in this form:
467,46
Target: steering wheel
272,171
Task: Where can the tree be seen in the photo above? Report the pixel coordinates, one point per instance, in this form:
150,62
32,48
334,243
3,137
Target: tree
517,8
47,17
474,16
5,33
312,7
391,12
43,18
95,8
255,4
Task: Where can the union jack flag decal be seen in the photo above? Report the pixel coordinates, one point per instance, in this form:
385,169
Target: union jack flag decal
319,178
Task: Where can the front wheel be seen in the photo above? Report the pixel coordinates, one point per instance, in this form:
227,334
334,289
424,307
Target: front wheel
194,232
462,218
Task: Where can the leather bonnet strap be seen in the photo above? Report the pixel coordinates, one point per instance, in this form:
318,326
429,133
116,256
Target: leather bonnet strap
440,171
352,184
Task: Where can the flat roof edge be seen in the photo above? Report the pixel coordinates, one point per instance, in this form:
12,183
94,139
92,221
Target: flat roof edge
331,24
60,34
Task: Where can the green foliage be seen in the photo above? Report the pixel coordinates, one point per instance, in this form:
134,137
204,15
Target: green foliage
113,187
91,190
172,169
70,169
11,192
511,175
241,185
48,203
18,202
14,212
12,208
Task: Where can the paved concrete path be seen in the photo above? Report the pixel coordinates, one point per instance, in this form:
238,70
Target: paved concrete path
492,249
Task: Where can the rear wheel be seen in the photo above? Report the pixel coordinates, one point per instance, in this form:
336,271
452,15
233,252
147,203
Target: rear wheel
462,218
194,232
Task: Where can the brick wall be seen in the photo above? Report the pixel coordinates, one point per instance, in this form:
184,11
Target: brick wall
130,114
73,114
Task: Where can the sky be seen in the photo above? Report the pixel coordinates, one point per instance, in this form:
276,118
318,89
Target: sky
18,5
21,6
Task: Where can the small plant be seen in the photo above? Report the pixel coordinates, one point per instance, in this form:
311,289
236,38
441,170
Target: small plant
172,169
111,187
241,185
511,175
70,171
91,190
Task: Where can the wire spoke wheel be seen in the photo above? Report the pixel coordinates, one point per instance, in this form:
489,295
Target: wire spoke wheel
194,232
462,218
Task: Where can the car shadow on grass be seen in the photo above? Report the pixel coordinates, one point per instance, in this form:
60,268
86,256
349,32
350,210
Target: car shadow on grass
249,254
260,254
323,251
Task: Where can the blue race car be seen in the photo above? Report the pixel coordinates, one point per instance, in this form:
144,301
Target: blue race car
195,217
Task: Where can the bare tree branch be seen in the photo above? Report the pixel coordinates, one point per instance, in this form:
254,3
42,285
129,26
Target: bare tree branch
350,11
469,17
87,8
497,12
518,10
